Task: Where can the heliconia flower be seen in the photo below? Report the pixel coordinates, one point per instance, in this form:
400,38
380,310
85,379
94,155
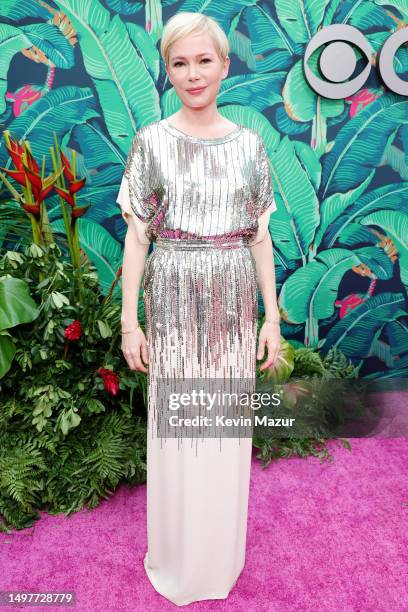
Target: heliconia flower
75,186
34,209
73,331
27,174
67,167
78,211
65,195
371,288
16,152
31,162
44,193
34,177
17,175
110,380
349,303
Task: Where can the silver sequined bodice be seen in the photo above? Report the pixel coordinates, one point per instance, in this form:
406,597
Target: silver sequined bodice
200,201
188,187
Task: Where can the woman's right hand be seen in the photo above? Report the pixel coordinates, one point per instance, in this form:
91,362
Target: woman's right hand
134,347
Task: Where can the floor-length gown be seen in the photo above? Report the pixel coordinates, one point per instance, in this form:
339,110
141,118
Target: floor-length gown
202,201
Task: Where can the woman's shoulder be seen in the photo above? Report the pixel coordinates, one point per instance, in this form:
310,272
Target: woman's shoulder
254,135
145,134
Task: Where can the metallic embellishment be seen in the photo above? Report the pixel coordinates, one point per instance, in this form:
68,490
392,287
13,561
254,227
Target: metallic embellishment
201,200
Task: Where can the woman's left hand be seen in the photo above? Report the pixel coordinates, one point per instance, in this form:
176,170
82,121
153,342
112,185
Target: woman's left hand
269,335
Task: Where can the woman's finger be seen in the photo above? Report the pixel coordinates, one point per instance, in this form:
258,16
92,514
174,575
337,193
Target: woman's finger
145,354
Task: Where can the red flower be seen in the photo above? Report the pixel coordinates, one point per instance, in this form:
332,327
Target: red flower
110,380
74,185
34,209
78,211
27,172
67,167
66,195
31,162
73,331
17,175
16,153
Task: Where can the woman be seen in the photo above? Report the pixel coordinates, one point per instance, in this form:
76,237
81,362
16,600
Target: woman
199,187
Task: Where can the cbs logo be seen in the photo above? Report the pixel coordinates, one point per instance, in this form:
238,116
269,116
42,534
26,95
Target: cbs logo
338,61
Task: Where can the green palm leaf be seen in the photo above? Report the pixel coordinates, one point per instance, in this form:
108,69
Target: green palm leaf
360,144
126,91
301,19
355,333
60,109
401,5
298,195
12,40
16,10
51,41
395,224
388,197
310,292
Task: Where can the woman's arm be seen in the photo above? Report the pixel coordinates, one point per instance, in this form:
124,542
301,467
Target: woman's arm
269,334
265,272
133,265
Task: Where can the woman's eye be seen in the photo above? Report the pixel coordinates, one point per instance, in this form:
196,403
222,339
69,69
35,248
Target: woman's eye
205,59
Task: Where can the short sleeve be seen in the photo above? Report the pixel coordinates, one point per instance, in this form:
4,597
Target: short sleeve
264,193
139,181
123,200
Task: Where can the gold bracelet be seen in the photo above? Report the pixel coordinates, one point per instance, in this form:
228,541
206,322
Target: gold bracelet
130,330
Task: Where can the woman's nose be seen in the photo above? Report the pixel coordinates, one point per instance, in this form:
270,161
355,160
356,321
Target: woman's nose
192,71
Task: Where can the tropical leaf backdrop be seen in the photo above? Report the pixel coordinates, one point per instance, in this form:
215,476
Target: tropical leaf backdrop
91,71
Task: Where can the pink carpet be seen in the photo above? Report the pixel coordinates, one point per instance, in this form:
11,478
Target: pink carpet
321,537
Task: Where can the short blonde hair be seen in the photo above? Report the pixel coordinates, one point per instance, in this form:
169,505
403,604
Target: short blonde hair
186,23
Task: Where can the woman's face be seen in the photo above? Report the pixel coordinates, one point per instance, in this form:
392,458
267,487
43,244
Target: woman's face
194,63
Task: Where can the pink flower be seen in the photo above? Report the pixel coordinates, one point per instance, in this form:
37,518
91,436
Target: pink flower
349,303
360,100
23,98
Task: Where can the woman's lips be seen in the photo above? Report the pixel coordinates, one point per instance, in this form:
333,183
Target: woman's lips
196,91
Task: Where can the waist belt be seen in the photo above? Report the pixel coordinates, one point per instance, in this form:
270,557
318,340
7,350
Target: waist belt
198,243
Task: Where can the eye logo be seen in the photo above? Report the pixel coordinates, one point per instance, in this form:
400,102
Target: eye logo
338,61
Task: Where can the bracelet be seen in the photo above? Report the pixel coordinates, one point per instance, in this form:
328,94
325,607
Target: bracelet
131,330
272,322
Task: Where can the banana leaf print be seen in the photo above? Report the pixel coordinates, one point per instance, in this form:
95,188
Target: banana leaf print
91,73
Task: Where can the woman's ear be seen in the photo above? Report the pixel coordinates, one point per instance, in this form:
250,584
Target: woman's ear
167,72
226,67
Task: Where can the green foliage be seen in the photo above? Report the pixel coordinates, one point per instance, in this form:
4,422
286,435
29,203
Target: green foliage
65,440
313,376
340,217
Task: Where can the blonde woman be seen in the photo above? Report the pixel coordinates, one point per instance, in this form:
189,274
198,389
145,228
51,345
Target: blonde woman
199,187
